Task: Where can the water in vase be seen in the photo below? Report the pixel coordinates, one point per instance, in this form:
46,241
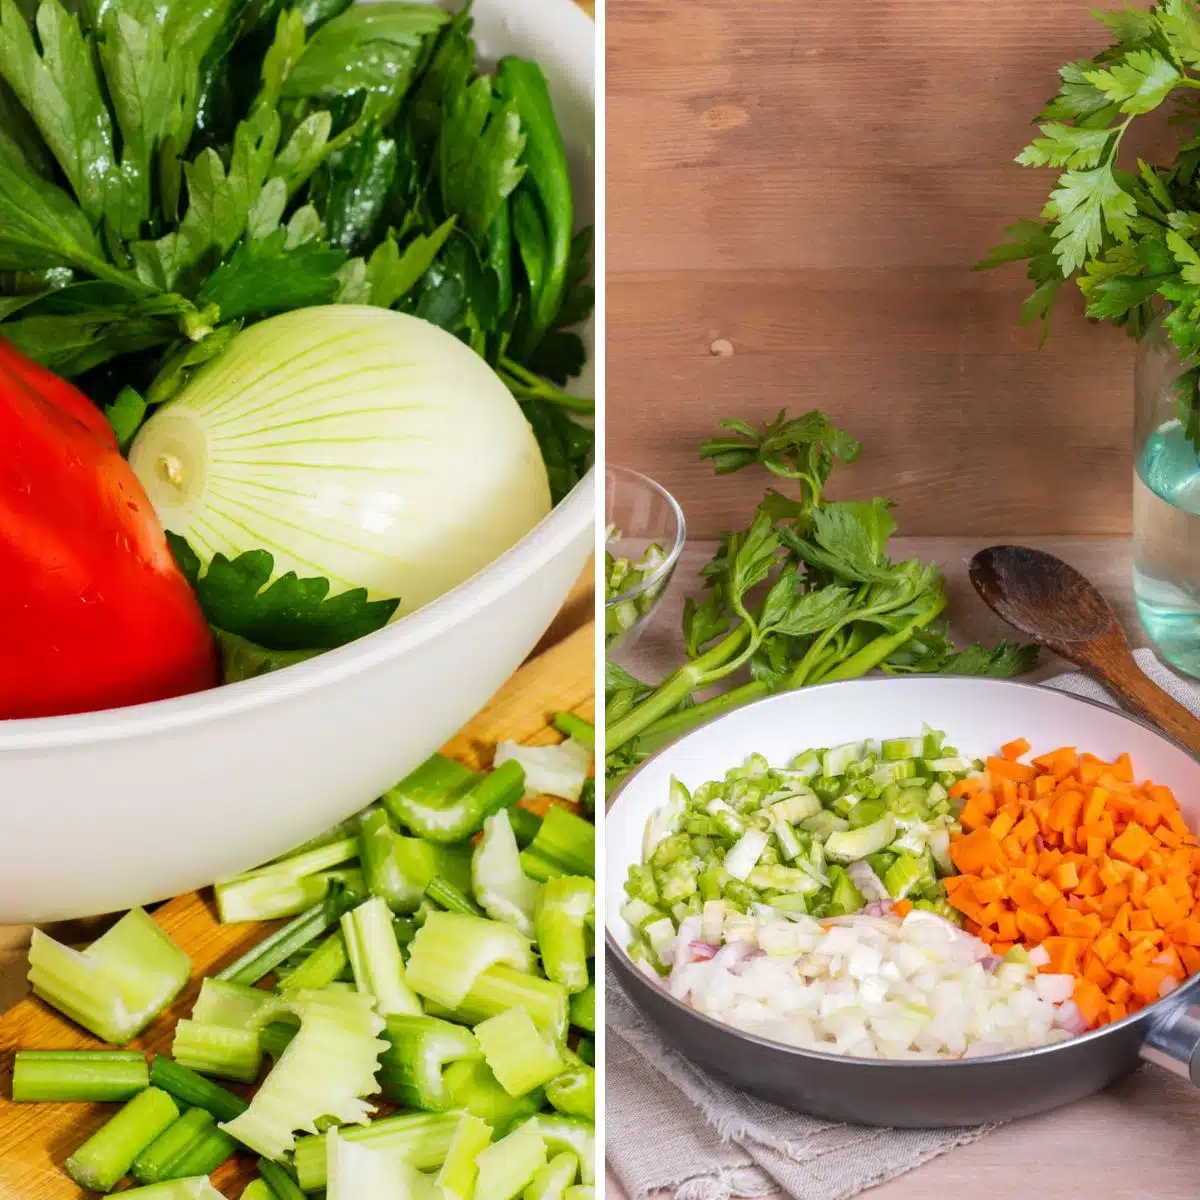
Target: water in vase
1166,545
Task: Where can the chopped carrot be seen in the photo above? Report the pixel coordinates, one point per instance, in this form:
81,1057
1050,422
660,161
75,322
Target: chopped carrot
1068,853
902,908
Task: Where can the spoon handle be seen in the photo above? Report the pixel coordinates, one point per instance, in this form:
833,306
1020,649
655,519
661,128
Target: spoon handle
1141,695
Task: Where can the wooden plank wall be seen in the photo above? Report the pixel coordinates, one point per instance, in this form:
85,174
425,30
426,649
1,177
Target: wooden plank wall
811,181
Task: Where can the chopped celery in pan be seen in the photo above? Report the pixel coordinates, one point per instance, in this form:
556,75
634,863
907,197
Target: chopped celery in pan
448,976
834,831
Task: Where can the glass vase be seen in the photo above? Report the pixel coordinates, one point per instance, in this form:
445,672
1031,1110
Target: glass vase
1166,507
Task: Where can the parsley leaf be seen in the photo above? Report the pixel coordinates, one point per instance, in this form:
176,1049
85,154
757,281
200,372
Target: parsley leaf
265,276
392,274
288,613
126,414
930,652
1065,146
1137,83
1086,203
848,540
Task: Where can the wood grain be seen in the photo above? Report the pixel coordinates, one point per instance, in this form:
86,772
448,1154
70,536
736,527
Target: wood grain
812,186
35,1140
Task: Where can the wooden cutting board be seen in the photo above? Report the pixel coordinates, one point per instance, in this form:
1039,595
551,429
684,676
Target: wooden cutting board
36,1139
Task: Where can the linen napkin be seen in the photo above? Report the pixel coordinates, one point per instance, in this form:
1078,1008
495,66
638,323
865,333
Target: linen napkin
671,1126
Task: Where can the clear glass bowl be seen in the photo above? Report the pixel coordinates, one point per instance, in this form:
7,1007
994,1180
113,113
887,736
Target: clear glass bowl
643,517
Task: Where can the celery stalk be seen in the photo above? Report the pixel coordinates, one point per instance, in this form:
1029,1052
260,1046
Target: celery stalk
92,1075
457,1177
218,1050
282,1185
567,903
276,1037
573,1093
325,964
420,1048
443,801
501,886
258,1189
119,984
552,1181
190,1088
356,1172
420,1139
284,887
583,1008
472,1087
508,1166
156,1162
197,1188
451,950
230,1004
519,1056
445,895
327,1070
109,1153
375,957
565,845
570,1133
500,988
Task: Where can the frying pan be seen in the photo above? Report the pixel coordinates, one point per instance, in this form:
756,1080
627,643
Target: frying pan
978,716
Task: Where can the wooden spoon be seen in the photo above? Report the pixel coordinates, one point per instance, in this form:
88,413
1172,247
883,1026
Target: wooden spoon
1055,605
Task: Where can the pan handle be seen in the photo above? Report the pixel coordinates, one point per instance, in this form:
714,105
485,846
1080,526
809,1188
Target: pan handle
1174,1043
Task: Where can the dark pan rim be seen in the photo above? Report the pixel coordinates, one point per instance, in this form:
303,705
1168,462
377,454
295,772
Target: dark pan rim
1188,990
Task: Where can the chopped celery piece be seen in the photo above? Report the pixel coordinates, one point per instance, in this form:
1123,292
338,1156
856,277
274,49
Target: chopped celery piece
442,801
867,812
902,876
400,868
211,1150
419,1049
660,936
795,808
525,824
852,844
451,950
583,1191
282,1185
457,1177
508,1166
158,1161
559,770
666,820
576,727
233,1005
784,879
573,1093
586,1049
276,1037
567,904
258,1189
322,967
272,897
741,859
582,1011
218,1050
190,1088
500,988
375,957
638,913
251,897
197,1188
356,1172
445,895
74,1075
501,886
836,760
846,897
552,1181
327,1070
419,1139
953,766
117,986
894,749
565,845
570,1133
283,943
519,1056
473,1088
109,1153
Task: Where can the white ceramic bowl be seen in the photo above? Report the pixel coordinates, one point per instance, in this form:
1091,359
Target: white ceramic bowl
977,715
125,807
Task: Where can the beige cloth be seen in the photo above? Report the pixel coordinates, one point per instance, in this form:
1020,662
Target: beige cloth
672,1126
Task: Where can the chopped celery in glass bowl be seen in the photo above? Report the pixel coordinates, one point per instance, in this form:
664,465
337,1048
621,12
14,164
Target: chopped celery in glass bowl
645,531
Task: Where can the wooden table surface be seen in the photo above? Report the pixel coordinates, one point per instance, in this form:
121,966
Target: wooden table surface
1135,1141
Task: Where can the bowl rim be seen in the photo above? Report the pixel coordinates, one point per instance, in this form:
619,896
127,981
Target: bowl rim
1187,992
663,571
566,521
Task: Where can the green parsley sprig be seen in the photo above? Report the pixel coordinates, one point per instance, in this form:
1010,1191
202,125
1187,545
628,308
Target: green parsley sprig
1129,238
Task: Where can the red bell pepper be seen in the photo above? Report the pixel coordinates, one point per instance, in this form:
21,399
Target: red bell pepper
94,612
